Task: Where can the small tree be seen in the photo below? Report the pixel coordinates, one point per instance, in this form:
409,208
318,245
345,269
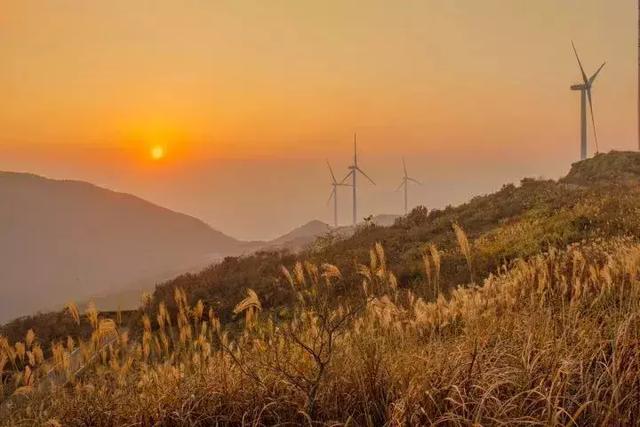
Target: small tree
314,331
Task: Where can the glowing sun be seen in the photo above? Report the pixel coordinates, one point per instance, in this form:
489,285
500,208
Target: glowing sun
157,152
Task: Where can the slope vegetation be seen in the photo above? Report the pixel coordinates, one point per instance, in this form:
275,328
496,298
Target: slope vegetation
515,222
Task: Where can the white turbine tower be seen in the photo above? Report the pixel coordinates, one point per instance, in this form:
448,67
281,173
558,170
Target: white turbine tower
405,183
353,173
334,193
585,94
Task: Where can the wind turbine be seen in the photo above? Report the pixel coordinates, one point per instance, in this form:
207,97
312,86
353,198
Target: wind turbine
353,173
405,183
585,93
334,193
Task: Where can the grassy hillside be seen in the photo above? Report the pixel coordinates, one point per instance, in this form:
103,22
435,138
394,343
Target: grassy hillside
528,317
515,222
549,341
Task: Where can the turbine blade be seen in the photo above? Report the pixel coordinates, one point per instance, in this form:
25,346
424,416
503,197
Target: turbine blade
584,75
414,180
365,175
404,166
593,78
332,195
593,120
333,177
355,150
347,176
402,184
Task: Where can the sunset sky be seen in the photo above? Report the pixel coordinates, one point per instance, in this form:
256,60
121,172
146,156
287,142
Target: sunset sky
246,99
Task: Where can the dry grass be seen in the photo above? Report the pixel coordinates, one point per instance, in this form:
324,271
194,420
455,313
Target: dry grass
465,248
554,340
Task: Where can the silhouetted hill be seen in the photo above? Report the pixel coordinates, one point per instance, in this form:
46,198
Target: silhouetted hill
299,237
67,239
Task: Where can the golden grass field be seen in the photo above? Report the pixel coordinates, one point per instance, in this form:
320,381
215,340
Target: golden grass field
551,340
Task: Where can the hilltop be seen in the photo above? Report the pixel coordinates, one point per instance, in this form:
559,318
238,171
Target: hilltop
613,167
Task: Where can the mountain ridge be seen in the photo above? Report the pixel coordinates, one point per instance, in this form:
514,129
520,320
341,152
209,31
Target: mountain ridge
63,220
66,237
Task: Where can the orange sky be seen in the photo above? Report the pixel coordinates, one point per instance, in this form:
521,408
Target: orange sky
249,97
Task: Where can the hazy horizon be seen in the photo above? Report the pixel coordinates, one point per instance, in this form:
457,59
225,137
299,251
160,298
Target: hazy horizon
375,199
248,100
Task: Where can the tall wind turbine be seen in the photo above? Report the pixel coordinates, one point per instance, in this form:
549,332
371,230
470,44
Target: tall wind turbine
334,193
585,94
353,173
405,183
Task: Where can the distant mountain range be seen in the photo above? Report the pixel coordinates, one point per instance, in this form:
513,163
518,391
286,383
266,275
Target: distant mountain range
299,238
64,238
69,239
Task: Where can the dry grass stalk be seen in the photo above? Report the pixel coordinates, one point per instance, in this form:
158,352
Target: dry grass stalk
465,248
250,306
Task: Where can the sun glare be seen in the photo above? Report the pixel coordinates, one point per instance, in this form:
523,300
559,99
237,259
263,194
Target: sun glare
157,152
